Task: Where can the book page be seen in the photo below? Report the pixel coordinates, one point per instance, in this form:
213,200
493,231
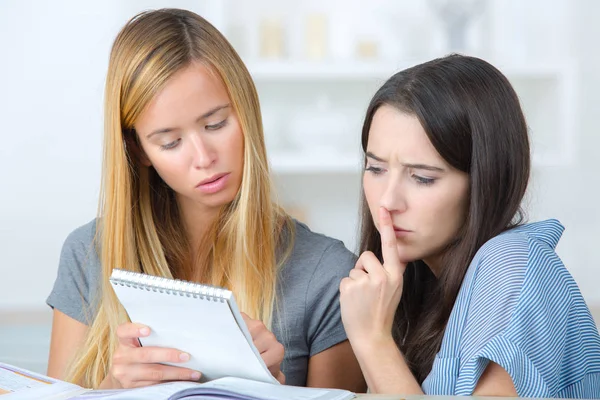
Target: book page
12,381
22,384
244,389
224,388
155,392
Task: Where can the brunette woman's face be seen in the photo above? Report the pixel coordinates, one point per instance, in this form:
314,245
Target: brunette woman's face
426,197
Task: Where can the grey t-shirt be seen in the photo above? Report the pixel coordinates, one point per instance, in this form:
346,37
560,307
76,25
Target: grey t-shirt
307,317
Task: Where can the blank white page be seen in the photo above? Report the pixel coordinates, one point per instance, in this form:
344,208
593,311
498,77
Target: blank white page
204,328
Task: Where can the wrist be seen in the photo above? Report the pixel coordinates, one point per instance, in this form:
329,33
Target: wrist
374,345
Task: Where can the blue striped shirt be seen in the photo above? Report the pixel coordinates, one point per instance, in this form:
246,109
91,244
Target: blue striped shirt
519,307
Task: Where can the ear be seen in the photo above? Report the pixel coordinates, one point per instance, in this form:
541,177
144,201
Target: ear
134,148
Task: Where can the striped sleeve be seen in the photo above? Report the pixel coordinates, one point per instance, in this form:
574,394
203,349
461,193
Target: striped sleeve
526,314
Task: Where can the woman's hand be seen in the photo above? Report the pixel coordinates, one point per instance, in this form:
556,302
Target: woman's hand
267,345
370,296
136,366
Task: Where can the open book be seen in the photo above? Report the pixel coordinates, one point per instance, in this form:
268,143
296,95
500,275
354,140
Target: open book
17,383
201,320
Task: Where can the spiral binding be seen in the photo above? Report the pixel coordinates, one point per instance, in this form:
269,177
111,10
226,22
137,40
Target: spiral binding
159,284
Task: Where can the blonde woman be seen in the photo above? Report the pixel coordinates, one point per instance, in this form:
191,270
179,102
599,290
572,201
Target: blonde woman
186,194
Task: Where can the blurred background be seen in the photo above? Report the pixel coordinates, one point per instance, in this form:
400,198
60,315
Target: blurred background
316,65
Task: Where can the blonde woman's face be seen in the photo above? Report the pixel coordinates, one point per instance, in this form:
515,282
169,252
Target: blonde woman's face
191,135
426,197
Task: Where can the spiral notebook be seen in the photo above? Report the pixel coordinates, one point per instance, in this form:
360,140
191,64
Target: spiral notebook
201,320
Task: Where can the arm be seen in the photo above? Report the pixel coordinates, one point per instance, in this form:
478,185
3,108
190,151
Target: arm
369,297
387,372
495,381
77,277
336,367
385,369
67,336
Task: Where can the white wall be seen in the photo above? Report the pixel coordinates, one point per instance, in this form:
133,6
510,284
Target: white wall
52,68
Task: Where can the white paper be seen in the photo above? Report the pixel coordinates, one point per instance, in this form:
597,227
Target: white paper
206,329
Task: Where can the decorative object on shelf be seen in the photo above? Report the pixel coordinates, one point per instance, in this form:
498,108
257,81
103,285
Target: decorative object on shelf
272,38
456,15
366,50
316,36
320,128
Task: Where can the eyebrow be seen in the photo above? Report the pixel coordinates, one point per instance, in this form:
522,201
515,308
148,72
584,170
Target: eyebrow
407,165
207,114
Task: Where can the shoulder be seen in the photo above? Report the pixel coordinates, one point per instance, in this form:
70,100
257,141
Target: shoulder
76,290
79,253
315,255
520,308
511,275
523,252
314,249
82,237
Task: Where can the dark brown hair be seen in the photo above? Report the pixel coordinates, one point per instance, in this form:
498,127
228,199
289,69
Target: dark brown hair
473,118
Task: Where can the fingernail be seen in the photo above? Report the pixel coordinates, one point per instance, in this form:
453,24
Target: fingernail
184,356
144,331
195,375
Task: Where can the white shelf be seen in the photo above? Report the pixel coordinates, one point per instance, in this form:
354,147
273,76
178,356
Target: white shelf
322,162
558,77
327,163
297,71
276,71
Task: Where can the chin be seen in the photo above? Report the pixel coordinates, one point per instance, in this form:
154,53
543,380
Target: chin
405,255
224,198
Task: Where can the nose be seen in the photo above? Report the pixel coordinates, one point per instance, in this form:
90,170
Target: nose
394,195
203,153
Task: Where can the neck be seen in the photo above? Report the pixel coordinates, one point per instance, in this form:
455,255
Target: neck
196,220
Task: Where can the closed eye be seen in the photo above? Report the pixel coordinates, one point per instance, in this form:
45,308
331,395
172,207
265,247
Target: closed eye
170,145
374,170
421,180
216,126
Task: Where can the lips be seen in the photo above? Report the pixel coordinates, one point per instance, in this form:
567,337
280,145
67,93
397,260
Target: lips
211,179
398,229
214,184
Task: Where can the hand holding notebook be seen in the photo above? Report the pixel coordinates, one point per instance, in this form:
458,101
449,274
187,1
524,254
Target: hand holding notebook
200,320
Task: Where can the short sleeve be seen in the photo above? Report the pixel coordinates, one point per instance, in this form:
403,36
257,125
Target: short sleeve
525,313
323,314
77,280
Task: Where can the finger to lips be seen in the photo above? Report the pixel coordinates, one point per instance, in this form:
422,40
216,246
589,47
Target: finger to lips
389,249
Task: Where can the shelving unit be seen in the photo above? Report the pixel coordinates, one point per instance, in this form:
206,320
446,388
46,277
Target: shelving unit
282,71
547,92
305,163
546,86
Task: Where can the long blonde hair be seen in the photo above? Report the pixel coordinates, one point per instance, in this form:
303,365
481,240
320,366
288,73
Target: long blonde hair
139,228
